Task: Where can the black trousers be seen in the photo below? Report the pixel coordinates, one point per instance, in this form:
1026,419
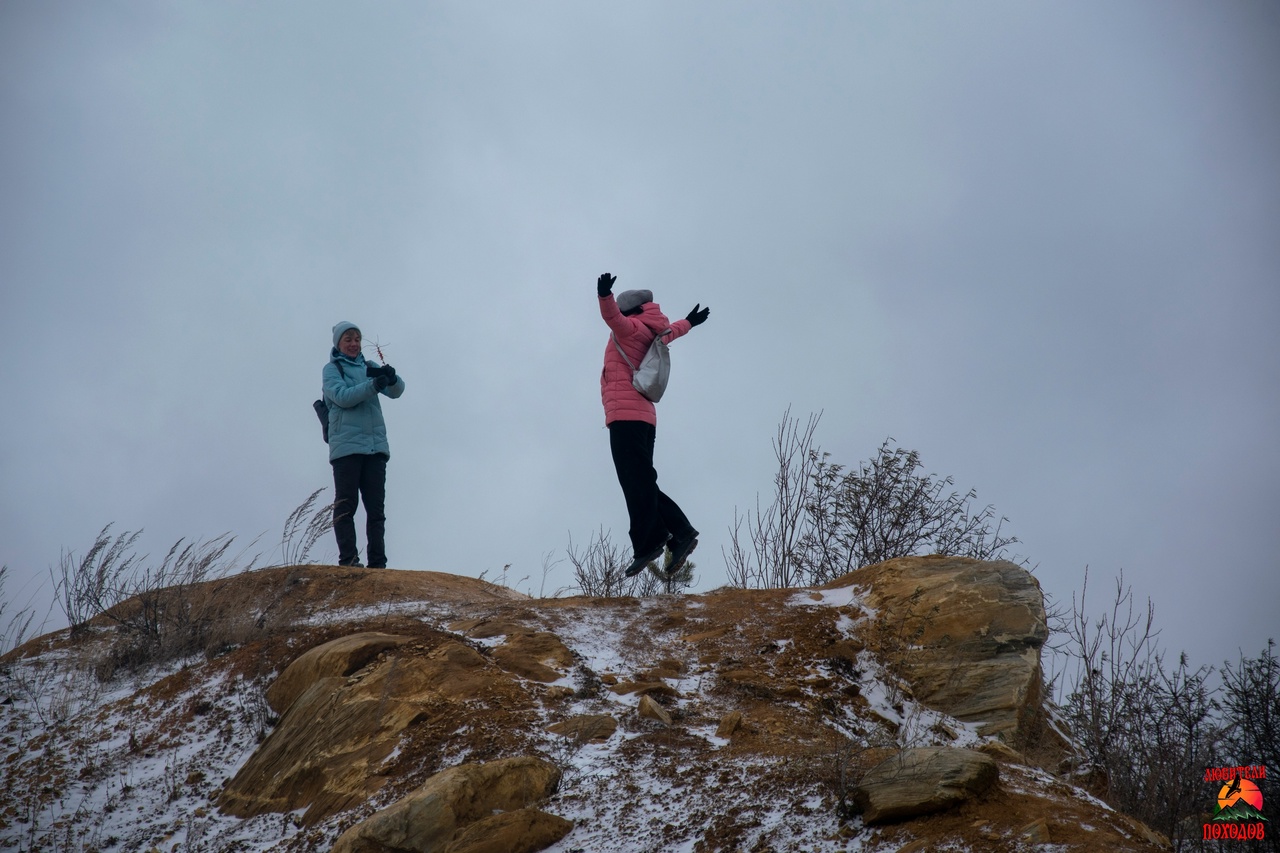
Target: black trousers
354,477
654,516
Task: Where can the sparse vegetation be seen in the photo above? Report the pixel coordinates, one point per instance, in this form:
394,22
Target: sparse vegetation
1251,701
160,611
1145,730
599,570
14,625
825,521
304,527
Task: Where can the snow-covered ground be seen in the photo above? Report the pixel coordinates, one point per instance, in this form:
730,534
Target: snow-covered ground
136,764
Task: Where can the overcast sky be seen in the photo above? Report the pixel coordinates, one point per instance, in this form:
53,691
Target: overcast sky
1037,242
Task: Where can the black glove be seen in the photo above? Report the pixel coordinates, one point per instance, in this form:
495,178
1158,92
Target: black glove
389,372
696,317
604,285
385,370
381,381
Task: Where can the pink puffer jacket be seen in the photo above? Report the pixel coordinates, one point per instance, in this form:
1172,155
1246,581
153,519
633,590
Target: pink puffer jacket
621,401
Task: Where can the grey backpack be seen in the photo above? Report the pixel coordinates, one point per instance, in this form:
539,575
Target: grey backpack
650,378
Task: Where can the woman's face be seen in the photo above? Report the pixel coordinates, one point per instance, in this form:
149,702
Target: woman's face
349,343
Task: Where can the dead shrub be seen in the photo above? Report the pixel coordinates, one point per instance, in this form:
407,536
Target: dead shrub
825,521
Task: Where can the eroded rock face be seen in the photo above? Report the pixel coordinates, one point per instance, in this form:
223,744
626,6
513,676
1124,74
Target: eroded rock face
370,721
520,831
586,727
337,658
964,634
468,808
328,751
536,655
922,781
967,633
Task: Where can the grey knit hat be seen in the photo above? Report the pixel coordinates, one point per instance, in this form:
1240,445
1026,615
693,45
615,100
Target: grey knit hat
632,299
341,328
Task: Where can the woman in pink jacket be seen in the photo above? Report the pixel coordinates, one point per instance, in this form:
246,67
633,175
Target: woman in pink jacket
656,521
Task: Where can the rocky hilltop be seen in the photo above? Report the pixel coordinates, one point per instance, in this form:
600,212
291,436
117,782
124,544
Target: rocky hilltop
898,708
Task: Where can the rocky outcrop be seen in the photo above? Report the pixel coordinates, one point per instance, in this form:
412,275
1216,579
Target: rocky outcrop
921,781
335,659
965,633
520,831
536,655
418,710
327,752
767,675
467,809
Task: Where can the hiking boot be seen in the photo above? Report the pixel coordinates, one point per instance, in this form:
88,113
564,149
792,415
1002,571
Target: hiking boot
680,552
638,564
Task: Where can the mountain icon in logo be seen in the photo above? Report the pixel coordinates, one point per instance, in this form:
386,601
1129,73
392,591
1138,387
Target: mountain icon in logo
1239,800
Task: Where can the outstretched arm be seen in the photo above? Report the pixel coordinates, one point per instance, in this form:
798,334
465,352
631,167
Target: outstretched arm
618,324
682,327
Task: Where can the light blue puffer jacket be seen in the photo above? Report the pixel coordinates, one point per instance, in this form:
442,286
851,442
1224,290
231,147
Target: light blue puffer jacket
355,413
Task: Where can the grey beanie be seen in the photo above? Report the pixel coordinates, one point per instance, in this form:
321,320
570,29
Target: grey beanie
631,299
341,328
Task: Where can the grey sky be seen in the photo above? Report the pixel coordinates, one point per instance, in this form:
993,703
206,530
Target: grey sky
1036,242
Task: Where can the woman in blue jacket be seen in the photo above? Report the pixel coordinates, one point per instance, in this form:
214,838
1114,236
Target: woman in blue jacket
358,449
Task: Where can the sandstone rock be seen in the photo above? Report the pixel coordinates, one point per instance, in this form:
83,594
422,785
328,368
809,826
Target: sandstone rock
280,775
968,635
324,753
556,692
923,781
644,688
1146,833
534,655
731,722
597,727
430,819
1002,752
486,628
650,709
520,831
339,657
664,669
1036,832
